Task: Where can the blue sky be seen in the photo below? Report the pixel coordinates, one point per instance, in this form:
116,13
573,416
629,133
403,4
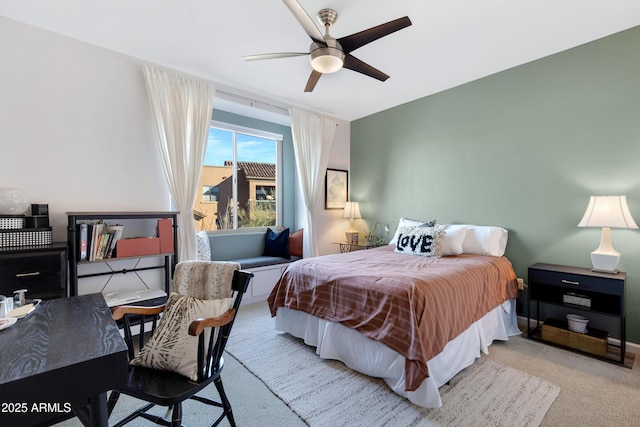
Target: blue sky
250,148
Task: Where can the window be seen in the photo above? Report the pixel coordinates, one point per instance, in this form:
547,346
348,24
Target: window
265,193
240,179
210,193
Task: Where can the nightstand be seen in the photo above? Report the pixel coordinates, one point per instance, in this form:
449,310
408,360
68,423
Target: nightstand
578,291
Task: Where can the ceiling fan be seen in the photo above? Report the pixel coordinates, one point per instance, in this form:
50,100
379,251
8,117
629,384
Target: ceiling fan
328,54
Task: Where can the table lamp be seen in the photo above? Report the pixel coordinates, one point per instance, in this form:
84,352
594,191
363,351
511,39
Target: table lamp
607,212
352,211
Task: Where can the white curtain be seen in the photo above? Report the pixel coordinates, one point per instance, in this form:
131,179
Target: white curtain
312,140
182,108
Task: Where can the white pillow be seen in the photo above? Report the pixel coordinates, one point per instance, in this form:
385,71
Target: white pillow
203,249
453,238
419,240
406,222
485,240
171,348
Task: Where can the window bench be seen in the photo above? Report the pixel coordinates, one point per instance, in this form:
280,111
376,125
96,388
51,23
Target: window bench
246,249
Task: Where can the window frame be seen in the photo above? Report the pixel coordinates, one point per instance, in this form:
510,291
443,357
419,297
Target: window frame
278,138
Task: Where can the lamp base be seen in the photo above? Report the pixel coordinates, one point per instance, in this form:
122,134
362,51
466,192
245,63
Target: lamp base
352,236
605,263
605,258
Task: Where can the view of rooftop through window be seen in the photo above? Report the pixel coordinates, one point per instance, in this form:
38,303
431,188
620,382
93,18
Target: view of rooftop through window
250,199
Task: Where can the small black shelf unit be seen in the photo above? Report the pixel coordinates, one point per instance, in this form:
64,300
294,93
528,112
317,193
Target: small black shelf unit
548,283
74,218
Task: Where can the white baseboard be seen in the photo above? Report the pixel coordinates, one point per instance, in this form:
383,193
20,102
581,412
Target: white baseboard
631,347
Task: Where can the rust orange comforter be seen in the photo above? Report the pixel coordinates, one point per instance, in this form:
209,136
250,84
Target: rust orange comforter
412,304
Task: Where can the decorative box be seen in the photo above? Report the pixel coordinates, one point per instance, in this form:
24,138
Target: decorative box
138,246
12,222
165,233
576,299
37,221
39,209
25,237
594,341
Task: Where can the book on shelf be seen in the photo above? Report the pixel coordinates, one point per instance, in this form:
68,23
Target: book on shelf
116,233
89,240
98,230
82,236
107,244
95,244
103,239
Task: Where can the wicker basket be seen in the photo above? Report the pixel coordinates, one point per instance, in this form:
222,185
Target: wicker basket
577,323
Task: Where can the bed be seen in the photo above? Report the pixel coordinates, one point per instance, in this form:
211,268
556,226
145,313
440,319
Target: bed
414,321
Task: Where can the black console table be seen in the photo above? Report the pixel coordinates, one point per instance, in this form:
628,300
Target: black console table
551,284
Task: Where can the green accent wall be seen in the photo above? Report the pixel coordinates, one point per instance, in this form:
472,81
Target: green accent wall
523,149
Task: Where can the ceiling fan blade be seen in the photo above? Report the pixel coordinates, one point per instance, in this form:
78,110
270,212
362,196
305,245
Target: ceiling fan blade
354,41
353,63
304,20
273,55
313,79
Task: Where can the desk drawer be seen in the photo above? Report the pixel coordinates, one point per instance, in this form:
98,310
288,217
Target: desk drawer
578,282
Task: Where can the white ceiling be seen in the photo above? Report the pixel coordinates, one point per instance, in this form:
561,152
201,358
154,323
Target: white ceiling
451,42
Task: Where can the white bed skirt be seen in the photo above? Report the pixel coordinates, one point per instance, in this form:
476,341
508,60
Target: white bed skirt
335,341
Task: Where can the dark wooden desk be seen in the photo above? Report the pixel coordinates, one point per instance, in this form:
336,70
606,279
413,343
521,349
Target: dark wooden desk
59,362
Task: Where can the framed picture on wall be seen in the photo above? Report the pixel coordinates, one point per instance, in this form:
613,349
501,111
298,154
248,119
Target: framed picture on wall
336,189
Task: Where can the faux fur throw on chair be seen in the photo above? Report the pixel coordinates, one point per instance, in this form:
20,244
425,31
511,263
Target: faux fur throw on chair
204,279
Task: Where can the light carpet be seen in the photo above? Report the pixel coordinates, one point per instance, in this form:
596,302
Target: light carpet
327,393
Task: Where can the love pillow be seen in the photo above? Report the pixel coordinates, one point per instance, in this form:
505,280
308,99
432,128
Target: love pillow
416,240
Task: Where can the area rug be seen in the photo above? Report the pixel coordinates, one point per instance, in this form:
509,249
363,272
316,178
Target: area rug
327,393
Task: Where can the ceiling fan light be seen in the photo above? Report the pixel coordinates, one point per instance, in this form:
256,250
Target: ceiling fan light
327,60
326,64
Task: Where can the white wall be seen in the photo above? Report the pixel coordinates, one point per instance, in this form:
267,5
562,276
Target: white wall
75,128
76,132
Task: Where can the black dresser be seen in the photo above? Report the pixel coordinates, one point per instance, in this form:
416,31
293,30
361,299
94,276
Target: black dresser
42,270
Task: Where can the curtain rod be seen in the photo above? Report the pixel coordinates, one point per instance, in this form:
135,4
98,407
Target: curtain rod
251,101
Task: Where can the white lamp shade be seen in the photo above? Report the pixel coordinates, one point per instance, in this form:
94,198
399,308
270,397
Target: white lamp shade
352,210
608,211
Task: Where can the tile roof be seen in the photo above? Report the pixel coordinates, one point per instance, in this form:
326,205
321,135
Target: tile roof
256,170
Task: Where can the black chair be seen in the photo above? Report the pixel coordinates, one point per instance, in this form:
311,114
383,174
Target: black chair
170,389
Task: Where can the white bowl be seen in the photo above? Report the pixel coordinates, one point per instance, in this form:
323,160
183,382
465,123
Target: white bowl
577,323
